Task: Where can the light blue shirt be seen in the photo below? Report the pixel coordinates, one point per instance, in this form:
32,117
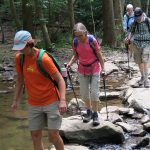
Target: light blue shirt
127,21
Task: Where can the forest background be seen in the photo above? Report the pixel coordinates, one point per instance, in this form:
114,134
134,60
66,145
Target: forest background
51,21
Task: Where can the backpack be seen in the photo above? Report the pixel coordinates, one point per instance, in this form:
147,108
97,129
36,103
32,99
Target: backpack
75,42
135,25
128,18
39,64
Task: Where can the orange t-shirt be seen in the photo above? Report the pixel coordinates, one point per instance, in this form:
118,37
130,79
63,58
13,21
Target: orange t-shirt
40,89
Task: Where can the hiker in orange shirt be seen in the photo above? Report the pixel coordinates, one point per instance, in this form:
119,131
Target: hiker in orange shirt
44,99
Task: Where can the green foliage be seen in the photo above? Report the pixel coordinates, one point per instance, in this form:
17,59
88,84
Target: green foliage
64,40
82,12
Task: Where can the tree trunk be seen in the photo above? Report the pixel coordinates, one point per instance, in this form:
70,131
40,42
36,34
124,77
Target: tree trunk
42,22
123,6
108,23
136,3
2,31
71,13
27,15
147,7
14,14
118,22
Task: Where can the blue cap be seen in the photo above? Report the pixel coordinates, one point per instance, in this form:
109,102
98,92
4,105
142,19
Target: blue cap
21,39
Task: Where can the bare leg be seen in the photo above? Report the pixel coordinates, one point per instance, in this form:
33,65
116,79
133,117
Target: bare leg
37,139
55,138
95,105
141,67
88,104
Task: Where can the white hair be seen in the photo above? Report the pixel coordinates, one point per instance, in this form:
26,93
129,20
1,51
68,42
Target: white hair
129,6
79,27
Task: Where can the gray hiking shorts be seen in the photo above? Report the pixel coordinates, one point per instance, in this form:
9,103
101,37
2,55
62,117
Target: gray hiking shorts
141,55
89,89
42,116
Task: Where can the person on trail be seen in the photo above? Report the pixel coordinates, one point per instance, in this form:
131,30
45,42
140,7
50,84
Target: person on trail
139,37
46,103
128,17
91,63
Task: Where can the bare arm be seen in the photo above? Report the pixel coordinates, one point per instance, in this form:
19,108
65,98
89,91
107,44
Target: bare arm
73,59
18,91
62,90
100,58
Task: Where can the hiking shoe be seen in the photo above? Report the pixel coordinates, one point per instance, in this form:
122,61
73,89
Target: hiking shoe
141,81
95,119
88,116
146,84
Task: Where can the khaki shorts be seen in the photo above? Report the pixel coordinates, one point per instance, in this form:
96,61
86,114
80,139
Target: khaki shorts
40,116
141,55
89,90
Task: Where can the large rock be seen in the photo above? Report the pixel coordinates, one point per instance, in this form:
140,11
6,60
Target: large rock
73,147
138,98
74,130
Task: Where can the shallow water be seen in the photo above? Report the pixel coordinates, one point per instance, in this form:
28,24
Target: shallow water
14,133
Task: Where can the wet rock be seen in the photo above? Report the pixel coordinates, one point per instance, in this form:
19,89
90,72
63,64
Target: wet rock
123,111
110,109
1,67
138,98
139,133
145,119
126,127
74,130
78,102
109,95
112,117
147,126
137,116
142,143
131,112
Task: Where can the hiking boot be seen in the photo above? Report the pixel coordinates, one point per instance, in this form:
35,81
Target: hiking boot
146,84
95,119
139,83
88,116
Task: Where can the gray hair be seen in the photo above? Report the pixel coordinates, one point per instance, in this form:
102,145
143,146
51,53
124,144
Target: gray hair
129,6
79,27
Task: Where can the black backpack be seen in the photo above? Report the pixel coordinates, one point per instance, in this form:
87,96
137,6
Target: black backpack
128,18
136,25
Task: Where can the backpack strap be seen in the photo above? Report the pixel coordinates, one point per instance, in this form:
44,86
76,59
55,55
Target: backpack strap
41,68
21,59
147,23
137,26
128,18
92,44
39,63
75,42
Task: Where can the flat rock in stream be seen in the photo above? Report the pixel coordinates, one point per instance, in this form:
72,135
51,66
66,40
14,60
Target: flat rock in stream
74,130
138,98
72,147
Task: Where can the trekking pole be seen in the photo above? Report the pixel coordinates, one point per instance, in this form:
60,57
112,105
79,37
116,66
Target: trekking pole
65,64
127,49
104,83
